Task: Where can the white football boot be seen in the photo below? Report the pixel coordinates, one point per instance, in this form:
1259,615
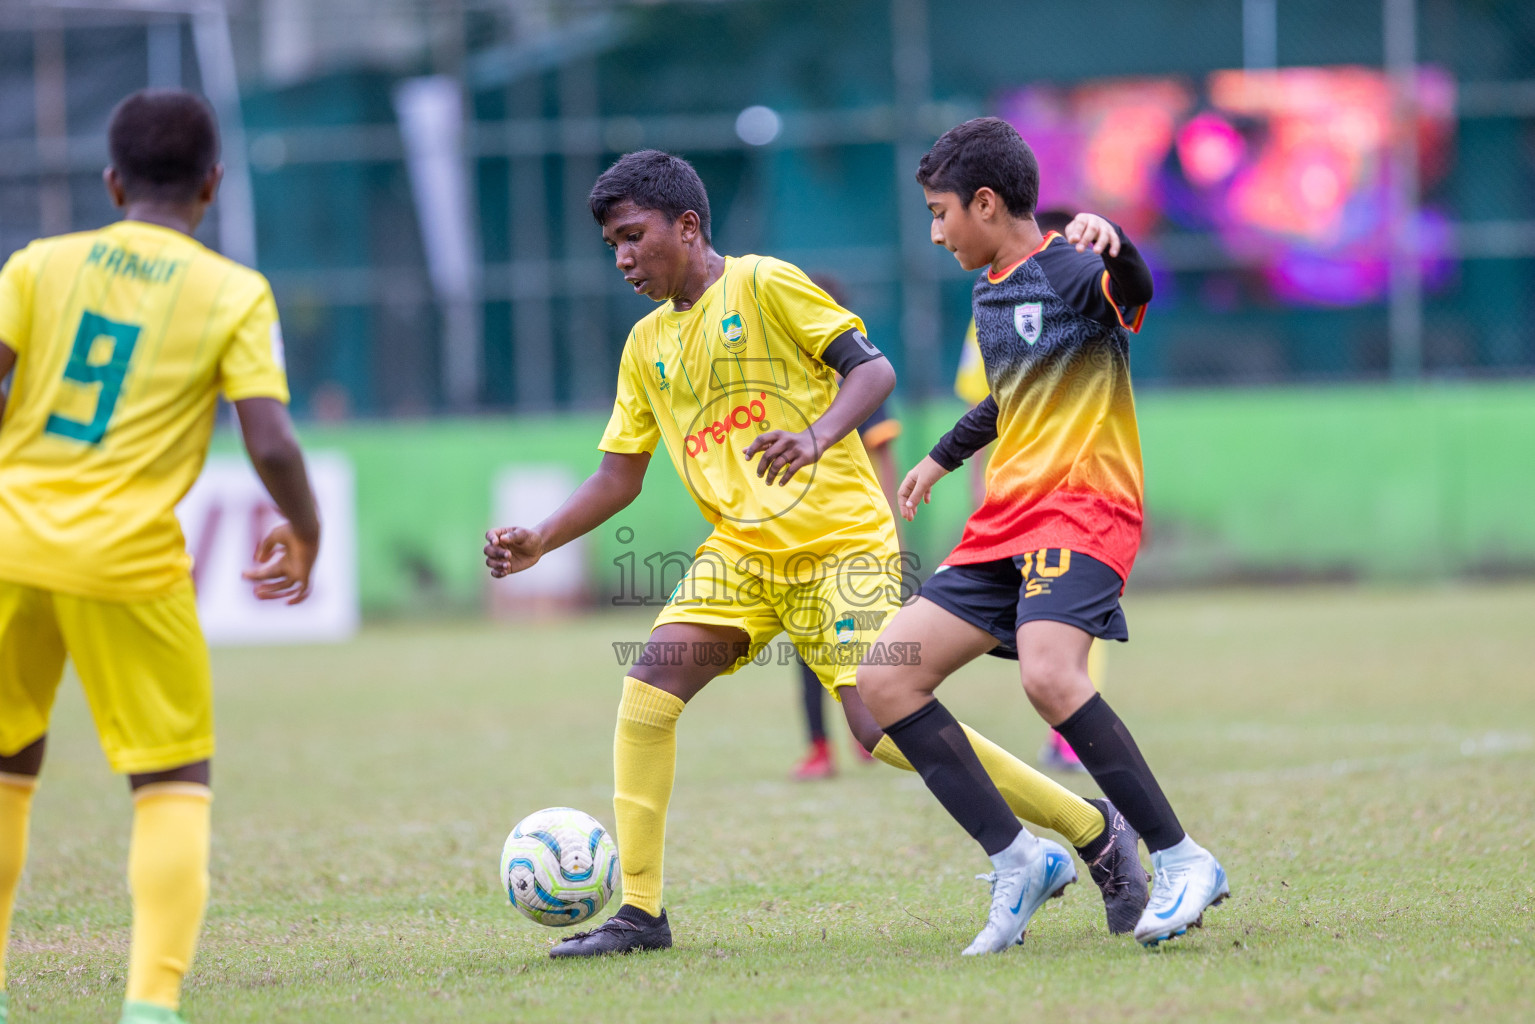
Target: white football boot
1186,881
1030,871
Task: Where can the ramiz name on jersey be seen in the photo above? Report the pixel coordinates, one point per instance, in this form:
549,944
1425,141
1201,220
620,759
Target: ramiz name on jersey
114,259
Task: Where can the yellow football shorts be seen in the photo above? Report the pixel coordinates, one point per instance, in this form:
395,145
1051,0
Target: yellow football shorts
832,620
143,665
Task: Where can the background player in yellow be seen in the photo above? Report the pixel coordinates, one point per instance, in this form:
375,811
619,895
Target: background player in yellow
736,372
121,341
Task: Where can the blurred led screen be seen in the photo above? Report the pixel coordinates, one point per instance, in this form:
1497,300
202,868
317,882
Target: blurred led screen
1289,169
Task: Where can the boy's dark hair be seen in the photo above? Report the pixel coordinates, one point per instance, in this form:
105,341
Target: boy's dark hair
1053,219
163,143
986,152
652,180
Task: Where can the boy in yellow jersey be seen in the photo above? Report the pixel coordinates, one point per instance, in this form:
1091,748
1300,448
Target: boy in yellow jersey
735,372
121,341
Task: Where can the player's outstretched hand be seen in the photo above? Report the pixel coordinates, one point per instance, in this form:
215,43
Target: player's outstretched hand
284,561
783,453
915,489
1090,231
512,549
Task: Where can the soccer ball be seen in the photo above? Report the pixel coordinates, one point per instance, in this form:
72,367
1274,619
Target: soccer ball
558,866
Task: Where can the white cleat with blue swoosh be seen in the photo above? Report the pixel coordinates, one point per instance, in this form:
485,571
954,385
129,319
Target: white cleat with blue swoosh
1186,881
1044,869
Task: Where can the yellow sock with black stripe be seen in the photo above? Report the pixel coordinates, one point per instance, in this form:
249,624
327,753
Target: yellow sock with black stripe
644,767
1033,797
15,813
168,877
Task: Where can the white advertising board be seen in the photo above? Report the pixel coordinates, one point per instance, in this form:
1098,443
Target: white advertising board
524,496
224,517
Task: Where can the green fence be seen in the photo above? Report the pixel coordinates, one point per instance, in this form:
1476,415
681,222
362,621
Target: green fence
1370,482
1357,482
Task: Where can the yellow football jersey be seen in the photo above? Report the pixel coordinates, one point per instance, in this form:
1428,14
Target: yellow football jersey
125,337
970,382
744,360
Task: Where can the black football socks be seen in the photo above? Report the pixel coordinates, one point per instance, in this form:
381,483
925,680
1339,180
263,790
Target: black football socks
937,747
815,716
1110,755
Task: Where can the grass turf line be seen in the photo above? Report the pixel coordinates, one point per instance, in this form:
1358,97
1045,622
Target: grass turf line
1361,760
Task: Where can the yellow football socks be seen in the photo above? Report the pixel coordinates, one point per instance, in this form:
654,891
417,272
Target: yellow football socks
644,766
15,811
168,877
1035,798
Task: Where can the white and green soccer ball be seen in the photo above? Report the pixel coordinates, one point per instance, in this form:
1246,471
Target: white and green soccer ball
558,866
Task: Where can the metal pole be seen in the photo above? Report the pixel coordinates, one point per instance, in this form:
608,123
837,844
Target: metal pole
463,312
431,115
591,382
1260,35
163,48
1405,317
49,80
912,61
532,323
216,65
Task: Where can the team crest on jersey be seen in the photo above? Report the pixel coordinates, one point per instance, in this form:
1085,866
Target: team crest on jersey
662,383
734,330
1029,318
847,630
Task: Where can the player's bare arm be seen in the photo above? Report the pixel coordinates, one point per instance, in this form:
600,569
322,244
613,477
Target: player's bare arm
784,452
917,487
600,497
7,361
286,556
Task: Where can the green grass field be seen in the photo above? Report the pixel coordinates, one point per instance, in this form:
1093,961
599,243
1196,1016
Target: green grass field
1363,761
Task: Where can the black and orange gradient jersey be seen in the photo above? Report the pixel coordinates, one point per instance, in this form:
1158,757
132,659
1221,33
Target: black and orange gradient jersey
1054,331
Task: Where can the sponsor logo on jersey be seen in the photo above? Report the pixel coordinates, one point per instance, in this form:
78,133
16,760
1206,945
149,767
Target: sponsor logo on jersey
733,328
1028,319
742,417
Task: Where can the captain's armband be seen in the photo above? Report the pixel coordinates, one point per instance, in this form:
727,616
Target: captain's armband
848,350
